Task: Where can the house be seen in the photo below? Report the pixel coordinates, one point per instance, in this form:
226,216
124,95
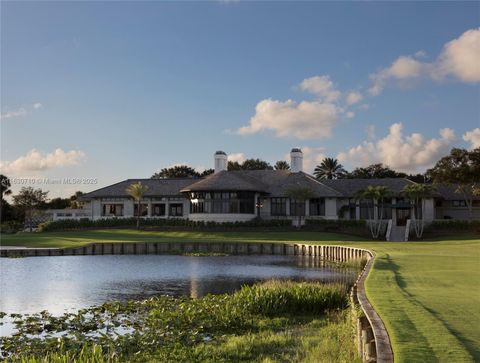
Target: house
229,196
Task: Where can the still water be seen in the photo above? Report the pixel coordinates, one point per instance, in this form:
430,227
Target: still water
56,284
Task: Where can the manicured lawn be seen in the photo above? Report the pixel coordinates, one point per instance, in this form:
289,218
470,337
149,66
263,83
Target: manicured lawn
72,239
427,293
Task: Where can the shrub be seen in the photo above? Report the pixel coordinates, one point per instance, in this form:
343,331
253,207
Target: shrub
280,297
71,224
10,227
454,225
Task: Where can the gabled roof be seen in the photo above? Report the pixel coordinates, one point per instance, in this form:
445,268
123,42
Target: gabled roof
272,182
447,192
227,180
156,188
349,187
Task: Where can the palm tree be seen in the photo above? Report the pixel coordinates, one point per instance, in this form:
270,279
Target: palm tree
417,193
282,165
300,195
375,197
137,191
330,168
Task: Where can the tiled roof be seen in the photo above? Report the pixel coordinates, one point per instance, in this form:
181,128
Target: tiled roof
447,192
349,187
156,187
227,180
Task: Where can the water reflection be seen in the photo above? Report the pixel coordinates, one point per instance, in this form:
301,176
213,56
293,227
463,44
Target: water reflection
29,285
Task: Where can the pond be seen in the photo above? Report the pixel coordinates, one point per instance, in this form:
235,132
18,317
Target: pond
60,283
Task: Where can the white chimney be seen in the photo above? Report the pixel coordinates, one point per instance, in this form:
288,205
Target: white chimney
221,161
296,160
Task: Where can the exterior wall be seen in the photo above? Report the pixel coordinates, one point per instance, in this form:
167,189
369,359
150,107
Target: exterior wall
340,203
448,211
429,212
67,213
331,208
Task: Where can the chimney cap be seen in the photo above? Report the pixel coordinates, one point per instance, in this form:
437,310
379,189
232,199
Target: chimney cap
220,153
296,150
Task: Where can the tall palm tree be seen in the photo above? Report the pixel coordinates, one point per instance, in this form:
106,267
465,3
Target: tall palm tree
137,191
417,193
375,197
329,168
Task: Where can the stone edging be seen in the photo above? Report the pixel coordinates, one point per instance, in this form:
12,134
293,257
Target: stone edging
373,340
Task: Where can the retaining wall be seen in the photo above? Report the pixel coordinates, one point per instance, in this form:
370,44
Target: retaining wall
372,337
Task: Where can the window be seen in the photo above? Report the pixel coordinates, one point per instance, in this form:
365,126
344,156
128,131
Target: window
143,210
317,207
297,207
278,206
112,210
459,203
158,209
175,210
222,202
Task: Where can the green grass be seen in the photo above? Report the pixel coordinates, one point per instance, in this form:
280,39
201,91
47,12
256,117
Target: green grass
427,293
214,328
78,238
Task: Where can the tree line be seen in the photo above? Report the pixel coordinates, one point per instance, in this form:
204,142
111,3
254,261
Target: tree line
460,168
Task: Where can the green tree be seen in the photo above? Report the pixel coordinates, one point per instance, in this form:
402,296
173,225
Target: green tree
375,171
207,172
5,185
256,164
375,197
417,193
329,168
301,195
234,165
249,164
137,191
178,171
75,202
282,165
28,200
461,170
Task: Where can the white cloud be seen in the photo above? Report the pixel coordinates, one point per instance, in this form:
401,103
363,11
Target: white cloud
402,68
21,111
312,156
460,58
473,137
304,120
237,157
34,160
350,114
411,153
322,87
14,113
354,97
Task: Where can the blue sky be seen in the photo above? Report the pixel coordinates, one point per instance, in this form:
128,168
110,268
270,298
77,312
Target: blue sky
116,90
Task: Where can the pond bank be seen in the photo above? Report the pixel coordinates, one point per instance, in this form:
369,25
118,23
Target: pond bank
374,343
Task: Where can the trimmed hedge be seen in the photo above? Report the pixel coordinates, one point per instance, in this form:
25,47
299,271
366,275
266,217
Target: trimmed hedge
70,224
337,225
454,225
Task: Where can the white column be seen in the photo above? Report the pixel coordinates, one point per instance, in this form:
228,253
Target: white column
307,208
